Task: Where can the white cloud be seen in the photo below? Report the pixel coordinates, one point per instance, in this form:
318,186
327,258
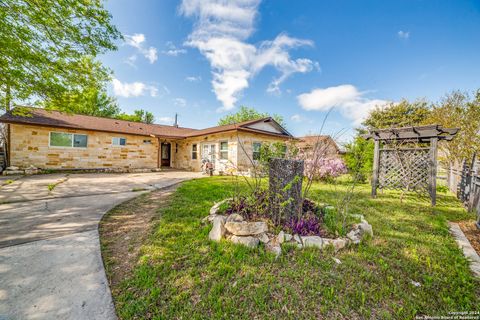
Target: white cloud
165,120
345,98
179,102
172,50
193,78
138,41
134,89
131,61
403,34
296,118
220,34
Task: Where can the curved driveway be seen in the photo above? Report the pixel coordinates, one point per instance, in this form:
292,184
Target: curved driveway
50,262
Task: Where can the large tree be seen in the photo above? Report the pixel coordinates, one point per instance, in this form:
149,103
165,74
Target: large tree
44,45
458,110
245,114
400,114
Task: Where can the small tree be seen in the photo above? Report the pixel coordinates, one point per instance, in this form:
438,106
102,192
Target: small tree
359,158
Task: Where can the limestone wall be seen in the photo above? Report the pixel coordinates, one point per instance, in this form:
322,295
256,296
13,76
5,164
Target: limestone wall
30,146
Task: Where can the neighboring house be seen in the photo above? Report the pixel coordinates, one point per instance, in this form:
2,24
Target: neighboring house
327,147
55,140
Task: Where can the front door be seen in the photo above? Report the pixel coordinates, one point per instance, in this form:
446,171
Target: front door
165,154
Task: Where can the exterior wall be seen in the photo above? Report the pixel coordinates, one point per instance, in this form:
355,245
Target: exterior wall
30,146
245,154
183,158
237,158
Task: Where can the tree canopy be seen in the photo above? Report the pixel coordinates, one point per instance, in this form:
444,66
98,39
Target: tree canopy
395,115
138,116
45,45
458,110
245,114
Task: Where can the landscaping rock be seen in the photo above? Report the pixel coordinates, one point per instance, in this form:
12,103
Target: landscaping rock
288,237
365,228
218,229
216,206
339,244
12,168
274,248
246,228
234,217
250,242
312,241
281,237
337,261
263,238
297,239
354,236
13,172
31,170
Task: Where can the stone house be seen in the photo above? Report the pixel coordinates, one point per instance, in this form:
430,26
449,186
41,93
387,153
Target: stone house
55,140
326,146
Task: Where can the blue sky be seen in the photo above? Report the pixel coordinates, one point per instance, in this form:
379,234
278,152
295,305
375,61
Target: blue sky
204,58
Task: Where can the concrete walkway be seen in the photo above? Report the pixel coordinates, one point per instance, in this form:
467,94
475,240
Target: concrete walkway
50,262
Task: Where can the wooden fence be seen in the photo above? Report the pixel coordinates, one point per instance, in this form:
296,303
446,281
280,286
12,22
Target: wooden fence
464,181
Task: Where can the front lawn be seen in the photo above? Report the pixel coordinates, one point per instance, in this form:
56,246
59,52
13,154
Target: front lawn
411,267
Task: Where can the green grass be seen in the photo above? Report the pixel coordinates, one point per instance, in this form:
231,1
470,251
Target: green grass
183,275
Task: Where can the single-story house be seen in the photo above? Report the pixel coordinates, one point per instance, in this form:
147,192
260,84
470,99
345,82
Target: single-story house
56,140
327,147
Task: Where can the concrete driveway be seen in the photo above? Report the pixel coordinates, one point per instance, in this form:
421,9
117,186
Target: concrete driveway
50,262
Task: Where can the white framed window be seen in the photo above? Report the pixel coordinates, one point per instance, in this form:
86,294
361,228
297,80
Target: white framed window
68,140
256,146
224,150
194,151
117,141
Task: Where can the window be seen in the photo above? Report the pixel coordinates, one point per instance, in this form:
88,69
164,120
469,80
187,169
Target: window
68,140
119,141
224,150
256,150
194,151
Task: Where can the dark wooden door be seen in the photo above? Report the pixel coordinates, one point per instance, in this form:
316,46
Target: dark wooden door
165,155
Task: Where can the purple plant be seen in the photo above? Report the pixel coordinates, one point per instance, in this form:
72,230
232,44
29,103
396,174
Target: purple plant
325,168
250,207
308,225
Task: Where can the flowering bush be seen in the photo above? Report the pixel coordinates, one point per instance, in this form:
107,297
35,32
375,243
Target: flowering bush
325,168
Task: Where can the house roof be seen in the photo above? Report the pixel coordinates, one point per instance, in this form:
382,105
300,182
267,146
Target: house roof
50,118
310,141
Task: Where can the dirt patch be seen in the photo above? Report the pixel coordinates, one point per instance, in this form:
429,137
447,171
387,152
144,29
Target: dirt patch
124,229
472,233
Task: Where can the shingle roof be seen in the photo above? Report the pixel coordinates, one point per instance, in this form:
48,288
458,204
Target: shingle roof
37,116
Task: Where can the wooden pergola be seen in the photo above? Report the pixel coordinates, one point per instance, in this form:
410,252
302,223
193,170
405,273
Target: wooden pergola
406,158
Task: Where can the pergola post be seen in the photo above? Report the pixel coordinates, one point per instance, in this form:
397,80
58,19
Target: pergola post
433,170
376,167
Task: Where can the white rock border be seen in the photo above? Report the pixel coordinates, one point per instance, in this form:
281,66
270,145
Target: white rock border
250,234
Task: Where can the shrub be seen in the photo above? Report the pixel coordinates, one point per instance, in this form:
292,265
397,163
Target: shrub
325,169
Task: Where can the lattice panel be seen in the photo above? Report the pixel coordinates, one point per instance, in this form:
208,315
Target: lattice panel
405,169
